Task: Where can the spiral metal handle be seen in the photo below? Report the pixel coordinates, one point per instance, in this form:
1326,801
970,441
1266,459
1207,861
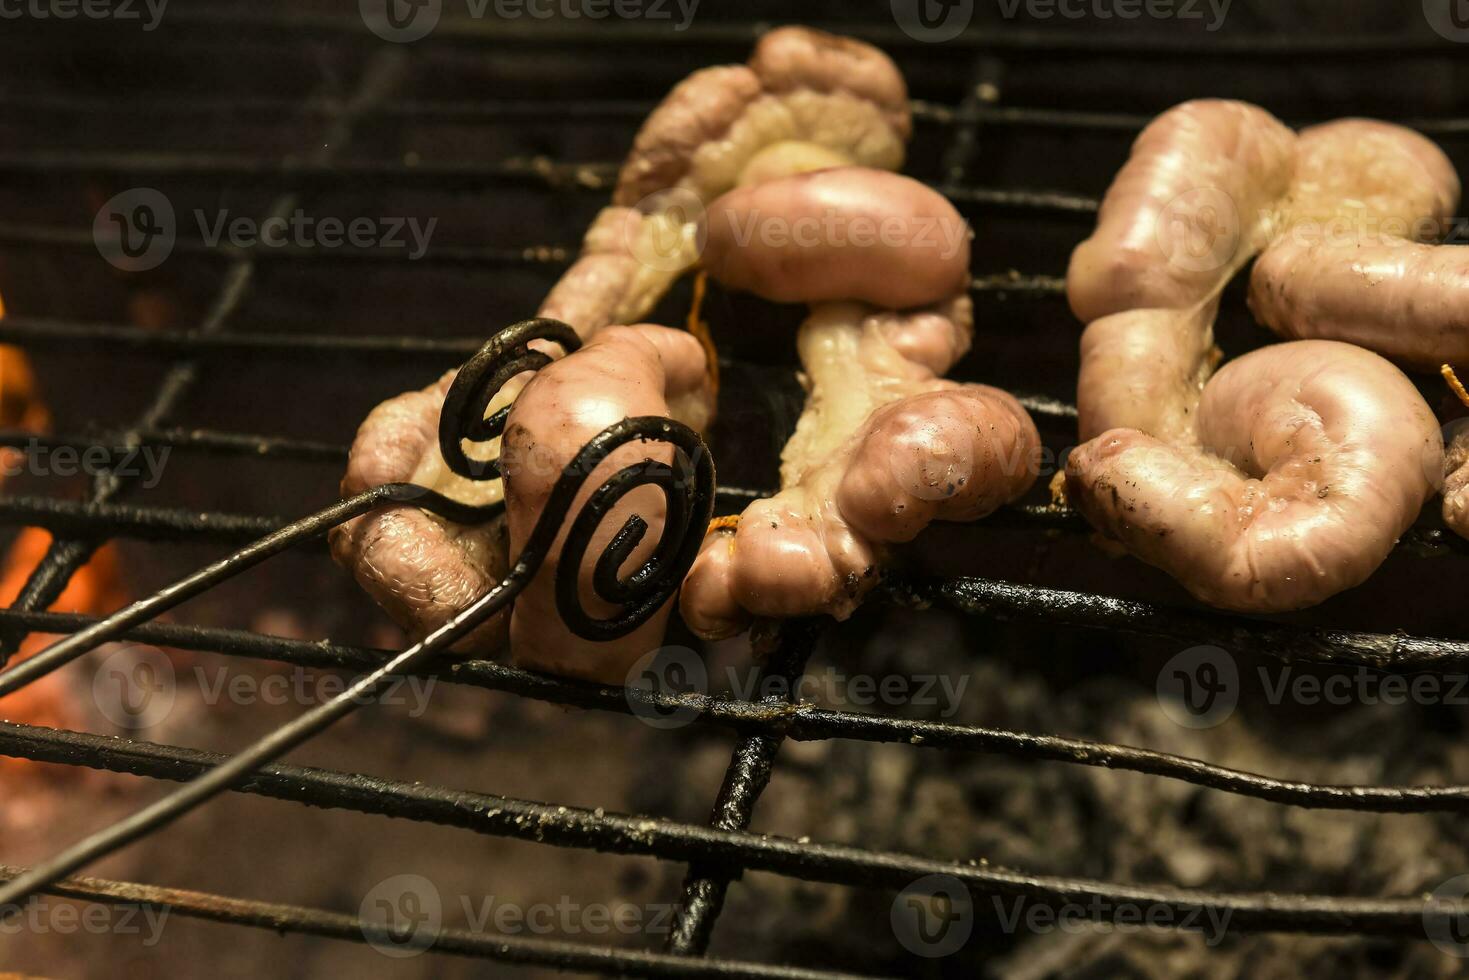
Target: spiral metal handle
688,489
687,485
503,356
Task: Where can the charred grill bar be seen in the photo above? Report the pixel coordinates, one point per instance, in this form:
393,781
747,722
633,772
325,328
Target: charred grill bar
718,853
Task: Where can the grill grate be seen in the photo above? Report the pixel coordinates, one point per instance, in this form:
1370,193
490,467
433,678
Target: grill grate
719,852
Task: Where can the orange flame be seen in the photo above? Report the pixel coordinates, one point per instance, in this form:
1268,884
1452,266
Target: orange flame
92,590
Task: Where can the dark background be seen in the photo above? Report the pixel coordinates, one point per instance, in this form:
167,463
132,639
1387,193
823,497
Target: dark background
207,106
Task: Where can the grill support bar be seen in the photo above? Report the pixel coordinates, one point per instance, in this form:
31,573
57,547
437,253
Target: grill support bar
525,950
706,885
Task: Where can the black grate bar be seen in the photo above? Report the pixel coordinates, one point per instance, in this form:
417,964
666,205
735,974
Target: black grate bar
1010,601
126,520
1426,540
437,110
44,333
79,519
66,555
202,440
469,256
1014,282
578,828
468,175
804,722
490,111
613,35
705,885
523,950
475,256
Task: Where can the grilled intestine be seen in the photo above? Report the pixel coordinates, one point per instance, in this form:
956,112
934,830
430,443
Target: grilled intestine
1352,258
642,370
1186,212
885,445
1289,475
1456,481
805,100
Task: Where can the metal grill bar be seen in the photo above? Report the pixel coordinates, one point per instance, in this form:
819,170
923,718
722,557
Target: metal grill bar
739,36
1315,644
474,256
469,256
574,827
202,440
44,333
490,111
523,950
802,722
750,767
171,523
534,172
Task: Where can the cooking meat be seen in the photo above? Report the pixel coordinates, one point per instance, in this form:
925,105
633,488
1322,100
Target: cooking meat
1187,211
1312,457
622,372
1456,482
842,234
807,100
1353,263
1456,462
1146,369
420,568
800,86
883,449
885,445
1288,476
628,261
